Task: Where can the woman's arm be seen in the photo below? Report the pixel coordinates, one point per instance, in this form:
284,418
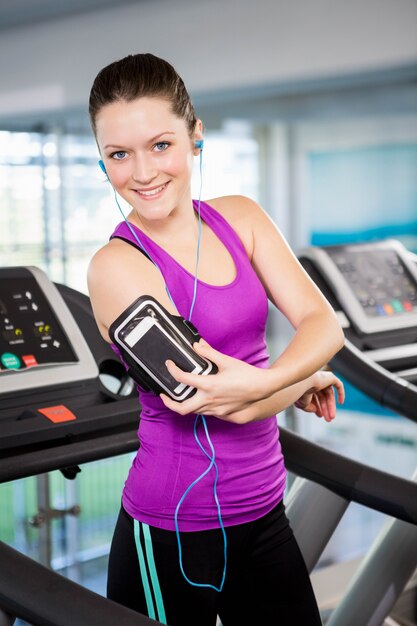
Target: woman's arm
316,395
318,334
313,394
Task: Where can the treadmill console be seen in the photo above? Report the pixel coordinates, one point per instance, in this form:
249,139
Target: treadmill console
38,333
376,284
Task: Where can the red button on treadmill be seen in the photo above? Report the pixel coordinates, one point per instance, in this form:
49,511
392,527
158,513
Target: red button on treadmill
58,414
29,360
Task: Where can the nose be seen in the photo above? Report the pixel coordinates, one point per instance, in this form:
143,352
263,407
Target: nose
144,170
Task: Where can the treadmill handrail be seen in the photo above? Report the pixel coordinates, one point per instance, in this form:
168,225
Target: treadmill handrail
45,598
42,597
352,480
375,381
96,446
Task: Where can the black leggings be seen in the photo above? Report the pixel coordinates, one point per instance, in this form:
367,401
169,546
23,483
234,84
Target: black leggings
266,584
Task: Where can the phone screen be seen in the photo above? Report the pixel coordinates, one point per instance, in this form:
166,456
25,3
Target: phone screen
153,348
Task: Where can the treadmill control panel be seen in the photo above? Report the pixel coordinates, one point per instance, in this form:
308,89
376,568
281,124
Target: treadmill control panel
375,283
40,343
30,333
379,279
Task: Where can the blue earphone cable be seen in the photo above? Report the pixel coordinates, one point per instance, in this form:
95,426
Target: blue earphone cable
198,239
212,464
212,457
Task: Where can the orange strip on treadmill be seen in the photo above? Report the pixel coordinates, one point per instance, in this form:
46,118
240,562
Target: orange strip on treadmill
58,414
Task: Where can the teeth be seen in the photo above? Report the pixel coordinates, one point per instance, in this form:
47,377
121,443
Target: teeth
153,192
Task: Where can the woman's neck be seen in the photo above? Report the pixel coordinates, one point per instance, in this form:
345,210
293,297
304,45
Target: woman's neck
181,226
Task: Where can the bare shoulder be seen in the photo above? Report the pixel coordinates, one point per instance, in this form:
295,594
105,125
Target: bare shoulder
102,256
236,207
110,267
117,275
109,258
243,214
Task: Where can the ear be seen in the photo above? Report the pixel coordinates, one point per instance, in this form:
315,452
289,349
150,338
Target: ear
198,136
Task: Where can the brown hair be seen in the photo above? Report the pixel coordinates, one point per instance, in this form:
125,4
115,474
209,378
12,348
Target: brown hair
138,76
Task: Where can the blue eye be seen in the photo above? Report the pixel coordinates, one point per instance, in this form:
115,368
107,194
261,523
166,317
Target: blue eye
161,146
118,155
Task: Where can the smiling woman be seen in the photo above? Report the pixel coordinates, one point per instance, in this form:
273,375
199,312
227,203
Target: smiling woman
222,545
144,163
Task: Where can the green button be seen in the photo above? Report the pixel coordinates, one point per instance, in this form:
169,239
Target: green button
10,361
397,306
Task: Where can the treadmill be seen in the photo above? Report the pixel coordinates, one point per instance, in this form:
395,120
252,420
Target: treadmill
373,289
64,394
38,396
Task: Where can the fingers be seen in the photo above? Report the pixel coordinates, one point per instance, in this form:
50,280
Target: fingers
205,350
193,380
340,389
197,404
317,403
331,404
182,408
172,404
327,404
331,386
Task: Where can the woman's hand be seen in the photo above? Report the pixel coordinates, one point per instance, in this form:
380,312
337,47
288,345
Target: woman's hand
320,398
235,386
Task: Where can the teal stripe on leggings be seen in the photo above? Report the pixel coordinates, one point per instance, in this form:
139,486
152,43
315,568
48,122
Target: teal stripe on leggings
143,572
154,576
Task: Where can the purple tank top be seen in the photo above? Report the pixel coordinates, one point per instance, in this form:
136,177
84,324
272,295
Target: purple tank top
232,319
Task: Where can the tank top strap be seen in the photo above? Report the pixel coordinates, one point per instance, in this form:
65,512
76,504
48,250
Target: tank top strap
225,232
124,231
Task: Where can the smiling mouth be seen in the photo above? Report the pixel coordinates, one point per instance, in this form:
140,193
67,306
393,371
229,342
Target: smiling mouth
151,192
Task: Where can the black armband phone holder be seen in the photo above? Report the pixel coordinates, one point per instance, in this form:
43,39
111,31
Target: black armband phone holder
147,335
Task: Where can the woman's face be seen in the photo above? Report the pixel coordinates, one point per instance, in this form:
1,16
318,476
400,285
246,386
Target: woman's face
148,155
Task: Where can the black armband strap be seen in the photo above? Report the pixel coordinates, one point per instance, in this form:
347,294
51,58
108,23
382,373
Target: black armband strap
147,336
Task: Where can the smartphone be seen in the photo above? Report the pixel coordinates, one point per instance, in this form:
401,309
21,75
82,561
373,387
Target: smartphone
149,336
